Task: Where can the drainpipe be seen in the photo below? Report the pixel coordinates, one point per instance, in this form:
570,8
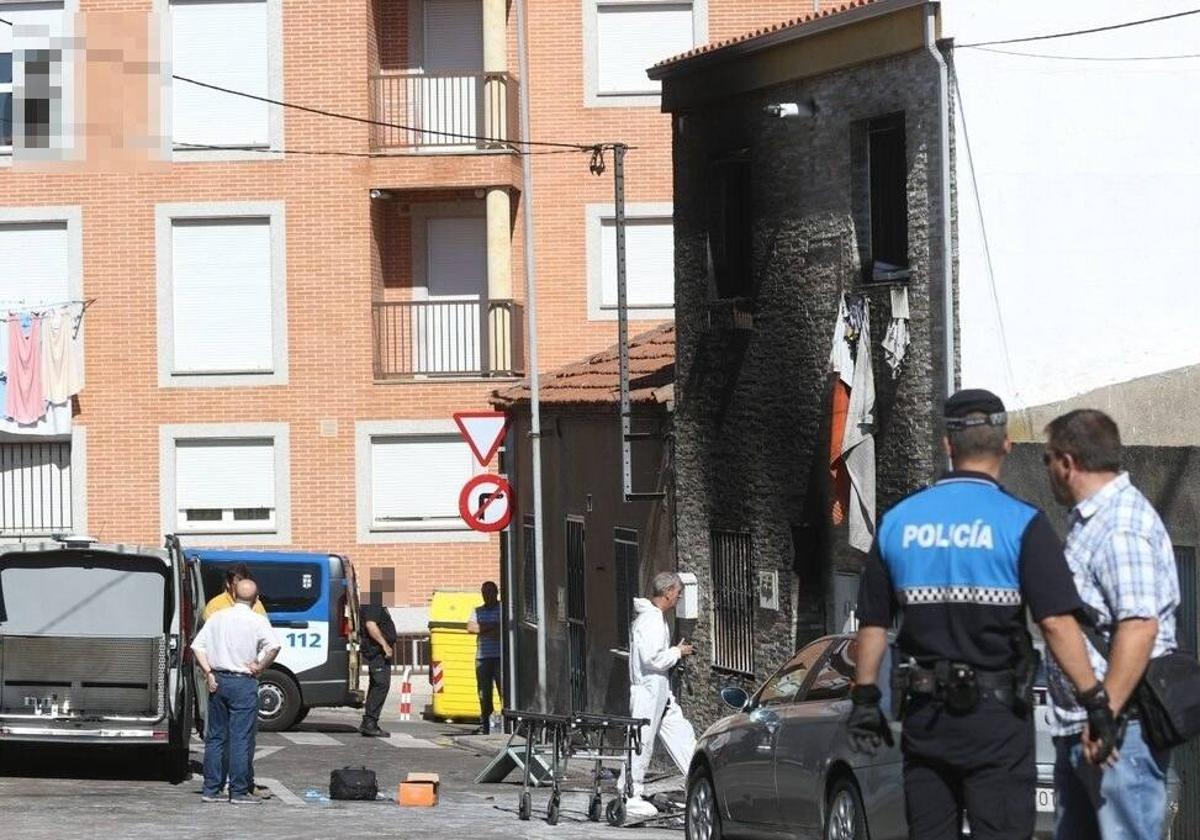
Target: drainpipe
931,11
535,405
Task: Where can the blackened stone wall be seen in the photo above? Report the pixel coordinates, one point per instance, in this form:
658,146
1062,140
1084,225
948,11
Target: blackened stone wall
752,406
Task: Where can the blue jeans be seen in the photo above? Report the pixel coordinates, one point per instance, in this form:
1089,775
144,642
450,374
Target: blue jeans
232,710
1125,802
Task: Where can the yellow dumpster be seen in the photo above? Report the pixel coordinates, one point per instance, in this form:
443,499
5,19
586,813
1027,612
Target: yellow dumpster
452,656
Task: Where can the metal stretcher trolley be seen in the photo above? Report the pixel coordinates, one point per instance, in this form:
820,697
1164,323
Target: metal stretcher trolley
593,737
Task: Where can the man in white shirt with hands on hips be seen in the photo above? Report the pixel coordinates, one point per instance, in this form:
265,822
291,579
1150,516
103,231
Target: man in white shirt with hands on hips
233,648
651,658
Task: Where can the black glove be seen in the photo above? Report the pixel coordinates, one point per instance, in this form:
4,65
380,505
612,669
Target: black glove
866,724
1103,728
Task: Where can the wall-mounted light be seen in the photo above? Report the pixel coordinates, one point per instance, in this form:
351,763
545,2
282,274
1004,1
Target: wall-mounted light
378,194
791,110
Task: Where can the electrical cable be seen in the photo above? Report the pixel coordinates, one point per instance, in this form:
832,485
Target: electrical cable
1094,29
1091,57
380,123
987,250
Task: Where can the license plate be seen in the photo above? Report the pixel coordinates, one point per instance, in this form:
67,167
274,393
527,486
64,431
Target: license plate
1044,799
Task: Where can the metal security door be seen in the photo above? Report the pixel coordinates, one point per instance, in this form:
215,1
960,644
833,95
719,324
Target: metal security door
1186,759
576,614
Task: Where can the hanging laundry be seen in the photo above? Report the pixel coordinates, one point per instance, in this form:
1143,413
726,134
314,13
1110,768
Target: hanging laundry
25,400
858,441
841,363
57,420
62,362
895,343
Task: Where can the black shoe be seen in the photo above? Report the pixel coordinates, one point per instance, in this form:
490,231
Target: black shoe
374,731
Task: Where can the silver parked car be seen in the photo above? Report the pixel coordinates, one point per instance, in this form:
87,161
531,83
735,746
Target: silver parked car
781,766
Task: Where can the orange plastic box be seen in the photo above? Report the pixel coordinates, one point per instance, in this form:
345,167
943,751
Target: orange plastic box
419,790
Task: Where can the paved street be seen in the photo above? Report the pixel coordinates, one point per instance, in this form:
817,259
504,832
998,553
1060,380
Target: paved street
56,794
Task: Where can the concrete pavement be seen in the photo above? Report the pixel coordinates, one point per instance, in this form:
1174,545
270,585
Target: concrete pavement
111,793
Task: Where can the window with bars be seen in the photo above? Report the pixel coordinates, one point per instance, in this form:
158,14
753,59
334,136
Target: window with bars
625,550
529,570
35,488
733,601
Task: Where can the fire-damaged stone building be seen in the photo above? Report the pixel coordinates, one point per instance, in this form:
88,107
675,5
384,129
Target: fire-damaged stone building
808,165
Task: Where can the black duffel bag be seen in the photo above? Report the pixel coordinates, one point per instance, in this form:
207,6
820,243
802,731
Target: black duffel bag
1167,698
353,783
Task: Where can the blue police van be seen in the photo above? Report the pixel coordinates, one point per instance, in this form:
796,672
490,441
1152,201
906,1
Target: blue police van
312,602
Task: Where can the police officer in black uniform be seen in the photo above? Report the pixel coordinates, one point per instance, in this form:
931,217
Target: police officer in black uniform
377,635
959,562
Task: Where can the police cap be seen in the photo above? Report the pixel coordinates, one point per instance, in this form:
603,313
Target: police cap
963,409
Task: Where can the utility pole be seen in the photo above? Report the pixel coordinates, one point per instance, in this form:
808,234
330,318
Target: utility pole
628,436
535,406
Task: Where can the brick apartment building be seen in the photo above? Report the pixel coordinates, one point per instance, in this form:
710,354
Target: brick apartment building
286,307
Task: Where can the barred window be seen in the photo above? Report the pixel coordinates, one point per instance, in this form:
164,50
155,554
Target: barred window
35,488
529,569
625,549
733,601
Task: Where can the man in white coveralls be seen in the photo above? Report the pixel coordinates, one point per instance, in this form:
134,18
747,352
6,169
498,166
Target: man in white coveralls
651,658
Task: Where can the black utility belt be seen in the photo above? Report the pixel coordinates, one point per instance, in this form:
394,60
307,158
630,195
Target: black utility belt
957,685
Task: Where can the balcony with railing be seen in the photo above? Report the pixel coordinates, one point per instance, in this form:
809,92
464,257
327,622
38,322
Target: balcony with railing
443,112
448,339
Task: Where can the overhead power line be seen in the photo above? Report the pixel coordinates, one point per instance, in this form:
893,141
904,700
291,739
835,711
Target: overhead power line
1109,28
1117,58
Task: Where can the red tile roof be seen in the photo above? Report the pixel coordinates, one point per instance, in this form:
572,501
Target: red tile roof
596,379
826,11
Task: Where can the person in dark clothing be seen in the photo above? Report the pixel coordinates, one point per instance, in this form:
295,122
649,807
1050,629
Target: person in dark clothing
485,622
960,563
377,635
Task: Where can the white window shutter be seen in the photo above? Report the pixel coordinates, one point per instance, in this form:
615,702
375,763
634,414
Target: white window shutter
649,263
453,36
33,25
415,481
224,473
631,38
225,44
34,268
221,295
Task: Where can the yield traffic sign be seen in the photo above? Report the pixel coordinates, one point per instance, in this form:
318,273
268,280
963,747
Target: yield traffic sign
484,432
485,503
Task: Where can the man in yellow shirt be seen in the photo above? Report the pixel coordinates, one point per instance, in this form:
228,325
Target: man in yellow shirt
225,600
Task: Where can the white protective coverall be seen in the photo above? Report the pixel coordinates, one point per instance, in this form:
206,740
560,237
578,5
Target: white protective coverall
651,658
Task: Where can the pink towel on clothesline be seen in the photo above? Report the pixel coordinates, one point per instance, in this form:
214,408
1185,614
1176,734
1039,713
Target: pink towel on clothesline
26,400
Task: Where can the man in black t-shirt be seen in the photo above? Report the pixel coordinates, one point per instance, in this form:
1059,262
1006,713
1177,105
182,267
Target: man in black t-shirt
959,563
377,635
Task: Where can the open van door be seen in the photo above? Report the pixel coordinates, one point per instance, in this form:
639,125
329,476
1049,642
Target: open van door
351,619
189,570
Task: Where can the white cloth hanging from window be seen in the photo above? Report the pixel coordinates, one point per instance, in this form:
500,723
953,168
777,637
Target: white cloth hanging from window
62,359
895,343
858,441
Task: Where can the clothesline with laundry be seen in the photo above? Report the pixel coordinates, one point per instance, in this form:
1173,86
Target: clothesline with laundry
41,366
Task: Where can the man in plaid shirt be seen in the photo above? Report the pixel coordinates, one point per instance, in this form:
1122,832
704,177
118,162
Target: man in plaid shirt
1124,568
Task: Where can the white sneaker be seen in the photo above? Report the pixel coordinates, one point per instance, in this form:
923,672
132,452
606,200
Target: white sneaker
637,808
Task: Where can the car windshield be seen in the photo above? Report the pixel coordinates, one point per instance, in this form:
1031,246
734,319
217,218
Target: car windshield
785,684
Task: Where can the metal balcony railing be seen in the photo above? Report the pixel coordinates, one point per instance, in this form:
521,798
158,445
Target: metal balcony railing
35,488
448,338
467,111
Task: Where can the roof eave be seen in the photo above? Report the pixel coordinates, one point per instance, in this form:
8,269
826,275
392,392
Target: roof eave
786,35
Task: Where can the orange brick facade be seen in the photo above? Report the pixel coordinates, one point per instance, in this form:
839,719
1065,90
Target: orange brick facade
341,255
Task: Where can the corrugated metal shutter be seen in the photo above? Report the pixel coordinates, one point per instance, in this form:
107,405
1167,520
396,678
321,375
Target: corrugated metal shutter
221,295
649,263
416,480
456,254
222,473
34,268
222,43
631,38
1186,759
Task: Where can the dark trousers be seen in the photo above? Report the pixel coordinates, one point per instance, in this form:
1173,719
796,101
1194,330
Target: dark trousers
981,763
232,714
380,671
487,675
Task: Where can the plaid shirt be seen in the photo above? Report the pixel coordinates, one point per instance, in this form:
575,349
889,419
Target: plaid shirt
1124,567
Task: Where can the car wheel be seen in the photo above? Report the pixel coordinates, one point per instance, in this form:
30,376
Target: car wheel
301,715
845,818
278,701
703,820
